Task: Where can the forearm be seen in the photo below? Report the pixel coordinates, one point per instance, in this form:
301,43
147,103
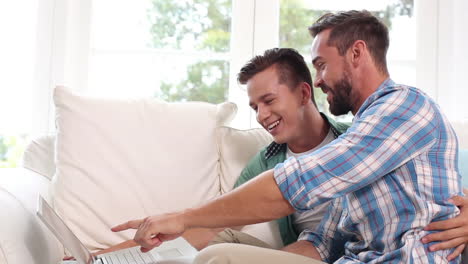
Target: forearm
257,201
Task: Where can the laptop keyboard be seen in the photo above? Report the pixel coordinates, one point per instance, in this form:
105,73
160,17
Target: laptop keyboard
129,256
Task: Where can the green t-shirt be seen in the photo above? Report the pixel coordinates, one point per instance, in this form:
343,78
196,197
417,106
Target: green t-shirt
267,159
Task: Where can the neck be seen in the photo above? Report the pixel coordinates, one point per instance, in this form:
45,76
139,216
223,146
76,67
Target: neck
313,131
366,85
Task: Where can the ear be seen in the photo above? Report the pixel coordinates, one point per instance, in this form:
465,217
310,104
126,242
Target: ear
357,51
306,92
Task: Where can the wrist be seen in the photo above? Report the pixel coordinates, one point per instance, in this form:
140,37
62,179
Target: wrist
185,216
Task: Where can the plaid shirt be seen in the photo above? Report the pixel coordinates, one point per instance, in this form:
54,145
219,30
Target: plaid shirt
389,176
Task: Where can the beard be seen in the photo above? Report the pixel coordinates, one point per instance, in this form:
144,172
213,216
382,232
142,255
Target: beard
340,104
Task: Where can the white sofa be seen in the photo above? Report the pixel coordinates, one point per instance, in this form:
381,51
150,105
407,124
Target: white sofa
113,160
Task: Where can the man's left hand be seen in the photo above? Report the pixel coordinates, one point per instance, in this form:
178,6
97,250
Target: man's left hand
453,232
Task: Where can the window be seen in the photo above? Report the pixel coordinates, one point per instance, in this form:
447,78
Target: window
180,50
177,50
173,50
192,50
17,53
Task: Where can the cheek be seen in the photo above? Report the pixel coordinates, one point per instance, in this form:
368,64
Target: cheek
293,116
328,76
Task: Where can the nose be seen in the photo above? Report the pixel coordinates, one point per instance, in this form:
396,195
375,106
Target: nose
262,114
318,80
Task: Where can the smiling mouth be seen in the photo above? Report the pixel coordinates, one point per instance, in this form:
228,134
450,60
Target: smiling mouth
325,88
273,125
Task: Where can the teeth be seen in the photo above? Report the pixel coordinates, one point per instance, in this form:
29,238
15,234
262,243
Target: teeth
273,125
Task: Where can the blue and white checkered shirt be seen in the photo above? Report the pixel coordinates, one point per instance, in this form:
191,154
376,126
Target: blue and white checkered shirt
389,176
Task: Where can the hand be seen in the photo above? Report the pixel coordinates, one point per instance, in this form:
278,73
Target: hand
154,230
304,248
454,232
123,245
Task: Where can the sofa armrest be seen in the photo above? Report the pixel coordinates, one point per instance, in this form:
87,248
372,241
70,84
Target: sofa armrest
39,156
23,238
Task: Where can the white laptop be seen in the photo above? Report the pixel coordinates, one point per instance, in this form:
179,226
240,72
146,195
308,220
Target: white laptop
175,251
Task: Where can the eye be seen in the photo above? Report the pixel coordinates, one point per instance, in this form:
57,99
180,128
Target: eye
269,102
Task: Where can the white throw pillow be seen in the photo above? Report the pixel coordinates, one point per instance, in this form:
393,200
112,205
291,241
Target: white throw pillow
119,160
237,147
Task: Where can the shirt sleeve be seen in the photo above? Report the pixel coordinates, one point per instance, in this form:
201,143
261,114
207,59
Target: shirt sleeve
396,127
329,243
254,167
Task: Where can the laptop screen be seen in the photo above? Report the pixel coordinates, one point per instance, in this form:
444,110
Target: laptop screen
63,233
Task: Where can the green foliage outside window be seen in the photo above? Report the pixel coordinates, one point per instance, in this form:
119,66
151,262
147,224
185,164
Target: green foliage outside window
205,25
11,150
200,85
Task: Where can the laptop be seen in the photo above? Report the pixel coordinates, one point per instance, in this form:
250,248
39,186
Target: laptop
174,251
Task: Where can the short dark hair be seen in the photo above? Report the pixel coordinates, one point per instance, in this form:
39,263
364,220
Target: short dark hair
290,66
347,27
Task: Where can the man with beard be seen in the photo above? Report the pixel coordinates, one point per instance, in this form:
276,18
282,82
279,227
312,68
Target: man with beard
387,177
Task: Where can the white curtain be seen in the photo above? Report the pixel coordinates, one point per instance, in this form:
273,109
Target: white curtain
442,54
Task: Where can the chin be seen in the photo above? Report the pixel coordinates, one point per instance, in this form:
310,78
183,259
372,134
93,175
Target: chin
279,140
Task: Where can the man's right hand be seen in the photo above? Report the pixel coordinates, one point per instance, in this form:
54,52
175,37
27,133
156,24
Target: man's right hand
154,230
123,245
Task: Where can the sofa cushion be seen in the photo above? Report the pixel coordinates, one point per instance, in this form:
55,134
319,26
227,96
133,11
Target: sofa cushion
125,159
237,147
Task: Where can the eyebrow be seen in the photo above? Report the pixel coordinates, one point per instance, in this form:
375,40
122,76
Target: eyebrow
261,98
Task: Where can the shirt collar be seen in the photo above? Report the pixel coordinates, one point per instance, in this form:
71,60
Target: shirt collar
387,83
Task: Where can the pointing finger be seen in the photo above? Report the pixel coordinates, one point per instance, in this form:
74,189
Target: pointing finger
133,224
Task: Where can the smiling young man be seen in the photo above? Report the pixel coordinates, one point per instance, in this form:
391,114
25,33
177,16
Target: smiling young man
387,177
